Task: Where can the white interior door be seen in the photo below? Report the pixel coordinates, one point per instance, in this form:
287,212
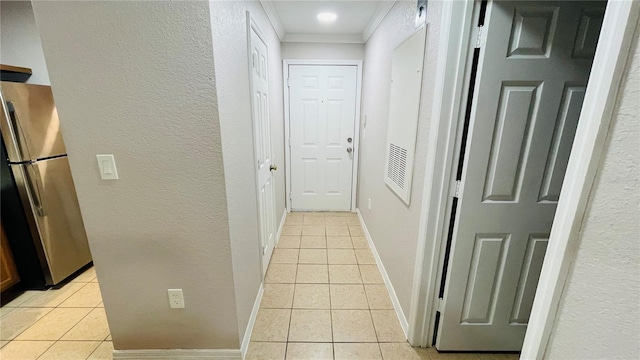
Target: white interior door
322,105
531,80
262,145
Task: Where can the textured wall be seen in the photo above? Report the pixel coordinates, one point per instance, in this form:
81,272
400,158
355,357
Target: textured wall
229,29
136,79
392,224
19,40
322,51
599,316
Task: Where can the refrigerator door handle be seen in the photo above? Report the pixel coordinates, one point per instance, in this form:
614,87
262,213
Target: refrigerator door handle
17,130
34,191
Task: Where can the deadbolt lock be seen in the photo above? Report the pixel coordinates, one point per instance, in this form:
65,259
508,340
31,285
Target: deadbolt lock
349,140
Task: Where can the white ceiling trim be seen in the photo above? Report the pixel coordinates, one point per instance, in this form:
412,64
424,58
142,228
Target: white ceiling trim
380,14
273,18
324,38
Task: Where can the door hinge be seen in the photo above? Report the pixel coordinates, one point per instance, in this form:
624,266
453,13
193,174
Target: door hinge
264,249
455,189
479,39
440,302
289,82
289,196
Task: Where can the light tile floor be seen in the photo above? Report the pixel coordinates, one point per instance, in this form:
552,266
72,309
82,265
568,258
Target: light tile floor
67,323
324,298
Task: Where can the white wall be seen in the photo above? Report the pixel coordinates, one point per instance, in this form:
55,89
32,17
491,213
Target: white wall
136,79
392,224
20,41
599,315
322,51
229,29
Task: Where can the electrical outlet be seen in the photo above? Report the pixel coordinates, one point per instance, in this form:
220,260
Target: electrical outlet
176,299
369,204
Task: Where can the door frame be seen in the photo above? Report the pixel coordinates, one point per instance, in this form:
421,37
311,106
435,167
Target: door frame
455,42
253,26
287,111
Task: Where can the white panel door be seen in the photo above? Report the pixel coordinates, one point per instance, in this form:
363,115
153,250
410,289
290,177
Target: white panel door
262,145
322,105
531,79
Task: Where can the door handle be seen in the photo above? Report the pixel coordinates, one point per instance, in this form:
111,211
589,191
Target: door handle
34,191
273,167
349,150
17,131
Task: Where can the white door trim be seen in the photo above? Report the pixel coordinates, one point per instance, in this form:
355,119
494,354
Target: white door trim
356,138
606,73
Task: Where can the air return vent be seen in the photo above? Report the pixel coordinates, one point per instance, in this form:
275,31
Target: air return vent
404,105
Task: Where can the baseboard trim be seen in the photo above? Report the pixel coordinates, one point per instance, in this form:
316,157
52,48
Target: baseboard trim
252,320
385,277
284,217
178,354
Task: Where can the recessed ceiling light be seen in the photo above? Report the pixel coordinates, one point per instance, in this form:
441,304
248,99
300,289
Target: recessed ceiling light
327,17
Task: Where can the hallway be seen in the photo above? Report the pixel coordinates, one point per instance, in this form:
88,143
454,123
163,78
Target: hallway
324,298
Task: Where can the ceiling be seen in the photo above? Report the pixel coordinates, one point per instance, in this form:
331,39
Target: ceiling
295,21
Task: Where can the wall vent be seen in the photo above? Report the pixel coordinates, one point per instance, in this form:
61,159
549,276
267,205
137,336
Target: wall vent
397,168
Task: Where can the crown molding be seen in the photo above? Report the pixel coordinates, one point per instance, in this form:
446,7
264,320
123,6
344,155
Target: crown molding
381,13
324,38
272,14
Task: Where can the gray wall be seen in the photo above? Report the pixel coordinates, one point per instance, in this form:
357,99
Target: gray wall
136,79
20,41
392,224
599,312
229,29
322,51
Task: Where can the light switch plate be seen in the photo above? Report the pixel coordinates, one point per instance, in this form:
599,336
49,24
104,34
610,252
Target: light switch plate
107,165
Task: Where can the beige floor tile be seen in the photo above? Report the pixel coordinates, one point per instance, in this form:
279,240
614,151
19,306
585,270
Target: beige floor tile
3,343
271,325
109,338
352,326
289,242
378,297
344,274
402,351
55,324
20,299
341,256
311,296
88,296
313,230
313,220
313,256
5,310
435,355
86,276
310,326
365,256
359,242
370,274
312,274
70,350
357,351
294,219
281,274
93,327
387,326
314,213
277,296
19,320
284,256
489,356
313,242
24,350
339,242
309,351
353,220
293,230
356,230
348,297
336,220
337,230
103,352
266,351
53,297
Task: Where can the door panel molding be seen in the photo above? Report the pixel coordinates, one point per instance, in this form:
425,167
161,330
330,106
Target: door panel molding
310,83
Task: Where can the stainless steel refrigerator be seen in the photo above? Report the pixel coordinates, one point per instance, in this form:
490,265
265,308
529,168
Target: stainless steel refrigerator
38,160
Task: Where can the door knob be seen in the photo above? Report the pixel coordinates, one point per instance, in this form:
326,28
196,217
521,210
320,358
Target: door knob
349,140
349,150
273,167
